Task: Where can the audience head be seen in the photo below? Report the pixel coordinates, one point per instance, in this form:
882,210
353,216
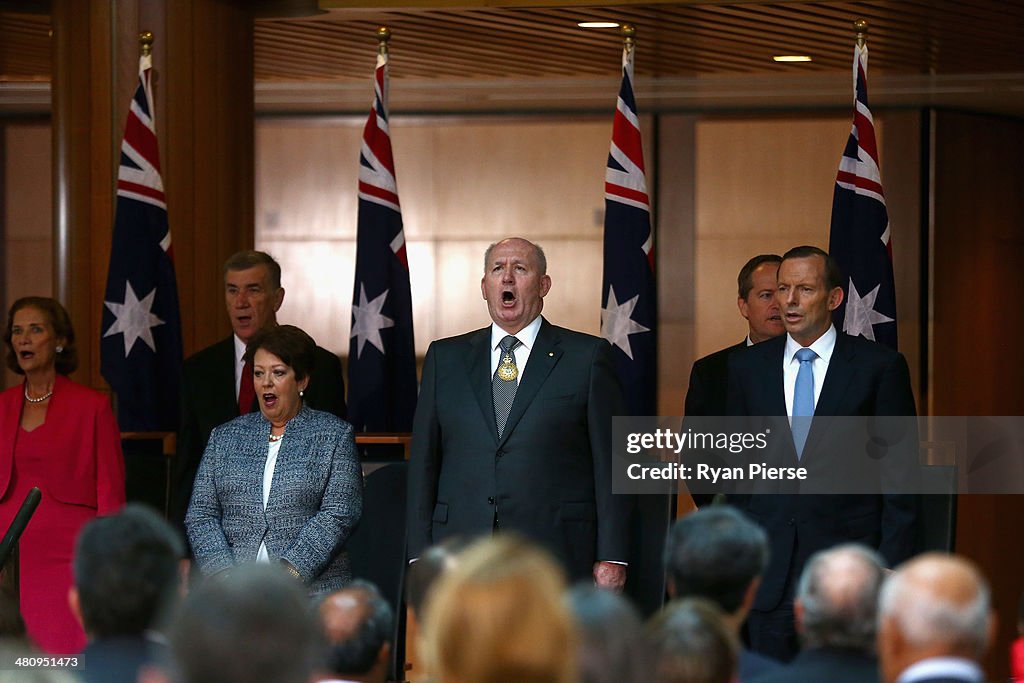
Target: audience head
756,284
612,647
837,598
692,644
126,572
515,283
252,625
252,292
39,335
934,605
719,554
422,575
358,626
809,288
499,616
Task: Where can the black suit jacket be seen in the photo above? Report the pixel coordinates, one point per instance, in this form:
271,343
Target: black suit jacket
548,477
863,379
208,401
832,664
709,383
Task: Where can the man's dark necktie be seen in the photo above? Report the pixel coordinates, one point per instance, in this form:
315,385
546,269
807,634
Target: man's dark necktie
504,383
246,391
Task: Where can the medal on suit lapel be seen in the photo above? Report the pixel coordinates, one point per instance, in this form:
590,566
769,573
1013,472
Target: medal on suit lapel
507,370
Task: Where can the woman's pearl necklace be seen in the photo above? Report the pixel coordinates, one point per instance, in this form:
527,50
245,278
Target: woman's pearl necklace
276,437
44,397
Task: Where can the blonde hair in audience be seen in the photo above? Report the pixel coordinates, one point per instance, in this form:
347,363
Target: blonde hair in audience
500,616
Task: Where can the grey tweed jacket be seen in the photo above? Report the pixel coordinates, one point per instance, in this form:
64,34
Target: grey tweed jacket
316,497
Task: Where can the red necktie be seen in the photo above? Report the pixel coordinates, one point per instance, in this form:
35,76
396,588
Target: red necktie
246,392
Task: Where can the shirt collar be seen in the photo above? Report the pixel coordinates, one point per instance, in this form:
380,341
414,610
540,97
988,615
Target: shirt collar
823,345
942,667
526,336
239,349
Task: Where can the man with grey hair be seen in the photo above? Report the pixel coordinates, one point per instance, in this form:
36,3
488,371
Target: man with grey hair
835,607
719,554
513,429
935,622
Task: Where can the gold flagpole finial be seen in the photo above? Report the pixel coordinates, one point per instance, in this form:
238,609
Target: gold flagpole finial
861,27
383,36
146,43
628,36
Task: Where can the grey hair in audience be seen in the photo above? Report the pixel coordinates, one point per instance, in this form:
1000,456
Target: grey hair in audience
715,553
692,644
838,593
253,624
356,652
612,648
927,617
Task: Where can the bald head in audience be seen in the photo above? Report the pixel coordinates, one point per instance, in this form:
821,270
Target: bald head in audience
357,624
935,620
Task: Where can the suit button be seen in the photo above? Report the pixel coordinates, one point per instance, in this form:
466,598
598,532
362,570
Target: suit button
490,499
500,453
791,521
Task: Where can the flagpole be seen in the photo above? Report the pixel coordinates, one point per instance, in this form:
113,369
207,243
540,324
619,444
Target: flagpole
860,27
383,36
146,43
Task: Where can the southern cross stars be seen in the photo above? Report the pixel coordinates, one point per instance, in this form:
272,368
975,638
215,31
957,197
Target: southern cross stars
861,314
369,321
134,319
617,322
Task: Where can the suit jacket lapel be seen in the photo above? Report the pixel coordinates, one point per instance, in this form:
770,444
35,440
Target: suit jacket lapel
222,380
543,357
478,366
774,393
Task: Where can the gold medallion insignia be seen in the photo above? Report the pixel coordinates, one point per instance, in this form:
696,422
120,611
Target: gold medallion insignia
507,370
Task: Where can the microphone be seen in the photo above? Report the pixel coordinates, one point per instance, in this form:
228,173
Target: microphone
28,507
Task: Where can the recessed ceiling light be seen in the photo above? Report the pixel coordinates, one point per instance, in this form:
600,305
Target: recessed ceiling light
791,58
597,24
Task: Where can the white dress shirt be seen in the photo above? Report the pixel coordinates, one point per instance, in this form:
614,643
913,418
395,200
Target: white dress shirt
527,338
823,346
268,478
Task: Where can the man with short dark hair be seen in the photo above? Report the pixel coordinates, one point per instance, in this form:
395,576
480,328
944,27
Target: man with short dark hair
216,383
252,625
835,608
813,372
358,626
706,395
126,571
718,554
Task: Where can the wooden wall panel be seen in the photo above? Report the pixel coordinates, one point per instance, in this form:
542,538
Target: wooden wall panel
977,325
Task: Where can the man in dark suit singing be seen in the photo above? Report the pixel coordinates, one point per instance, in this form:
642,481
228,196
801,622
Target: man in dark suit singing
217,387
513,429
815,371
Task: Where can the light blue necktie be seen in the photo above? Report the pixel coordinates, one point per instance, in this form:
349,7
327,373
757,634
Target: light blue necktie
803,399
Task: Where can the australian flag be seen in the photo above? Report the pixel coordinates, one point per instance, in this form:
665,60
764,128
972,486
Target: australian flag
140,347
381,356
628,294
860,239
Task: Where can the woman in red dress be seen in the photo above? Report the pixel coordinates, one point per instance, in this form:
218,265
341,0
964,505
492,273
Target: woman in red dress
61,437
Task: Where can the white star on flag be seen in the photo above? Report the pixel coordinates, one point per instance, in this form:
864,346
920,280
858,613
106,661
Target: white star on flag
861,313
617,322
134,319
369,321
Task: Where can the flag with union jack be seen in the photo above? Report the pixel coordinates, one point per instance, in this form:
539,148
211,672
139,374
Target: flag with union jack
382,356
140,346
628,292
860,239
